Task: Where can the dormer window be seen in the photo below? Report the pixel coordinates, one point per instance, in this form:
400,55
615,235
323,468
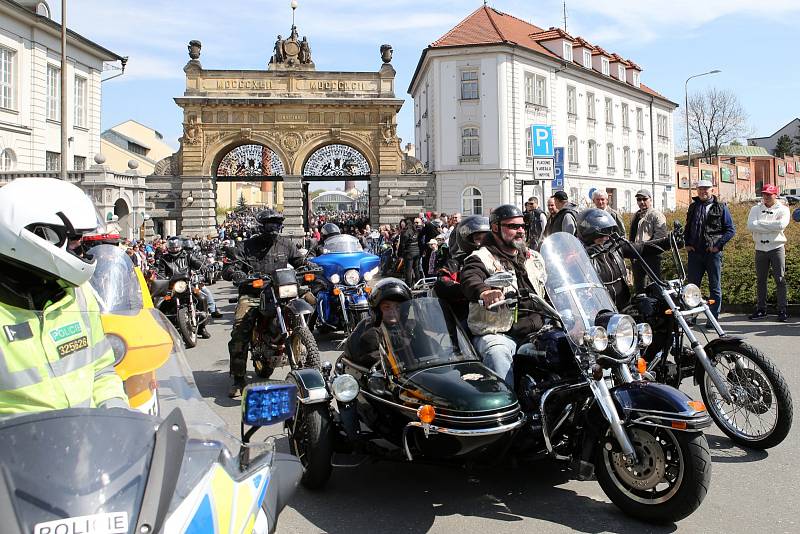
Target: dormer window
635,79
604,66
587,59
567,50
621,72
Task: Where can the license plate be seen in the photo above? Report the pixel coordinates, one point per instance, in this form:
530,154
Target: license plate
113,523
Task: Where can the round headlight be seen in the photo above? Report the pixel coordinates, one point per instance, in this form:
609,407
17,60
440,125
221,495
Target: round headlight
369,275
645,332
352,277
596,338
180,286
691,295
345,388
622,334
335,278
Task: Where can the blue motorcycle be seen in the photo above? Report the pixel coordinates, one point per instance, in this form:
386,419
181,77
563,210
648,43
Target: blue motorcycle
346,269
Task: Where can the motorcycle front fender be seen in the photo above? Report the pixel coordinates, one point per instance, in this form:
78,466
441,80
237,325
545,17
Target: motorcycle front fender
711,349
654,404
311,388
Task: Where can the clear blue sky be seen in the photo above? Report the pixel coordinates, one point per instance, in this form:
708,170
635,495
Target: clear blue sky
753,43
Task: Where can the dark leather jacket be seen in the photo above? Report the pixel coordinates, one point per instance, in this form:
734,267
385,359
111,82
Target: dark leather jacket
264,253
169,265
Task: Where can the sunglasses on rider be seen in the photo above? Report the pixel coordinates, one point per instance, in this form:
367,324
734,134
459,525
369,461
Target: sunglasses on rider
514,226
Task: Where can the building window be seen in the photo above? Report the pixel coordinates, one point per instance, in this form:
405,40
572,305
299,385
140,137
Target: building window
80,102
470,143
472,201
661,125
592,154
621,72
53,93
640,162
136,149
604,66
590,106
610,155
609,112
7,88
469,85
535,89
639,119
572,101
572,150
626,159
663,165
79,163
568,50
573,194
587,59
628,201
664,201
52,161
529,143
7,160
626,120
635,79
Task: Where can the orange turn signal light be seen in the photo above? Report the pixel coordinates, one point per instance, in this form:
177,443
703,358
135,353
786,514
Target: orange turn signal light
667,312
641,366
367,289
168,297
712,301
309,277
697,406
679,425
336,291
258,283
426,413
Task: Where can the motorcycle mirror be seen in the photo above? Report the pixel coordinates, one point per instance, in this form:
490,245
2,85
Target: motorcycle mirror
376,383
501,280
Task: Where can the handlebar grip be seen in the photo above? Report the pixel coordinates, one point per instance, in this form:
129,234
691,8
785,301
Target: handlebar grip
498,303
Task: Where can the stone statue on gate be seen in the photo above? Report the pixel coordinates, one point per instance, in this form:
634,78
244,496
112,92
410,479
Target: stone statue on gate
291,53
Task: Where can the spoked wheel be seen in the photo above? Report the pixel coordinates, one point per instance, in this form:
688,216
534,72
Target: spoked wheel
187,327
760,415
305,352
669,479
311,440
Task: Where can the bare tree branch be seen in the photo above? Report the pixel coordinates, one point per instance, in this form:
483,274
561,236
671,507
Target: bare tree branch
716,118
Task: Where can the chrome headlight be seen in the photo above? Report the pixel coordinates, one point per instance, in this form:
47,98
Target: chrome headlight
691,295
622,334
369,275
596,338
645,332
345,388
288,291
180,286
352,277
335,278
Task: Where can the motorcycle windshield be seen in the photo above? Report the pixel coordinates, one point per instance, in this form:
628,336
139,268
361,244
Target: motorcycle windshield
342,243
115,281
572,284
422,333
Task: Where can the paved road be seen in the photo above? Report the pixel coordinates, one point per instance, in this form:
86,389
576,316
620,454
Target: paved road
751,491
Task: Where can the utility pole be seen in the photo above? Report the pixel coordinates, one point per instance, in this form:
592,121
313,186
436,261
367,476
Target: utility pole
64,131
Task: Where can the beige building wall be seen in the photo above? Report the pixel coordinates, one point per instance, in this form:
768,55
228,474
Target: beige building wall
114,146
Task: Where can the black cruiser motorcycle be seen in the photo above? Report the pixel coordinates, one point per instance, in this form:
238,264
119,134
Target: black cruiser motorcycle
430,398
744,391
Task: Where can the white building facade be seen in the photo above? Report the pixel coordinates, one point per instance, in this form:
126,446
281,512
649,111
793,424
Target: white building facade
475,100
30,91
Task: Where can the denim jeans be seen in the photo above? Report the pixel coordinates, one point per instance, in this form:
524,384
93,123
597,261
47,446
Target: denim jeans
497,352
710,263
212,305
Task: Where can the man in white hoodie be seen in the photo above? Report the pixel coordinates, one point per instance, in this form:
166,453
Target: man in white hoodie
767,221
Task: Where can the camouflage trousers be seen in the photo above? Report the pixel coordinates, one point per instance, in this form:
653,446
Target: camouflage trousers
243,323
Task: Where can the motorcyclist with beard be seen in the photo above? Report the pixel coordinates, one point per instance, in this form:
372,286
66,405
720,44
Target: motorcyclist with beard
263,253
363,345
179,261
595,228
498,332
466,238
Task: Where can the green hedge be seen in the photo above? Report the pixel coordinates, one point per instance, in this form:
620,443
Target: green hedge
738,263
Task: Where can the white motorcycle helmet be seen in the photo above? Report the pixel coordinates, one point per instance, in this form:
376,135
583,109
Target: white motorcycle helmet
38,217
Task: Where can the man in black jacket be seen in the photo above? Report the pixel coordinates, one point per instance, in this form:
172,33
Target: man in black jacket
262,253
410,250
179,261
535,223
565,219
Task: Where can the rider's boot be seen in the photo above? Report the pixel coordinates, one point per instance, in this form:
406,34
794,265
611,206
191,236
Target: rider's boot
203,333
239,383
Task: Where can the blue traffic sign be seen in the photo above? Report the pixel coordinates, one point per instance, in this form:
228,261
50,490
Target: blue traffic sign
542,139
558,180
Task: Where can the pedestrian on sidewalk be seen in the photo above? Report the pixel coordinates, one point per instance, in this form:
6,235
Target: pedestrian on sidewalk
766,221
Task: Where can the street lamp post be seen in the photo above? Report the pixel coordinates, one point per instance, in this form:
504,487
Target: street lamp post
686,105
64,131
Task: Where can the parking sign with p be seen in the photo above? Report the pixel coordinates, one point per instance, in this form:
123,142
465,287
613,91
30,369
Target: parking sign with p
542,139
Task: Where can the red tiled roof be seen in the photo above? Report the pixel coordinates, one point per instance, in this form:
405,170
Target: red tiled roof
580,41
619,59
552,33
599,50
634,65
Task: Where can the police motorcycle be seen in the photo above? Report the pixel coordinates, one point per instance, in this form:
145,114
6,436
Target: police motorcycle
281,334
346,271
97,470
746,395
430,398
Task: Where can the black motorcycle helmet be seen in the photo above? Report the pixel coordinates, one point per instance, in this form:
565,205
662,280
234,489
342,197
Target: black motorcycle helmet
328,230
174,245
504,212
188,245
269,221
387,289
594,223
469,226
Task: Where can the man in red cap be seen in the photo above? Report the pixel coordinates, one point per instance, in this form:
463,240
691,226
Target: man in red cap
767,221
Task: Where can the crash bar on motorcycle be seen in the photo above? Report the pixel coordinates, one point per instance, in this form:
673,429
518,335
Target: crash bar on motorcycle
458,431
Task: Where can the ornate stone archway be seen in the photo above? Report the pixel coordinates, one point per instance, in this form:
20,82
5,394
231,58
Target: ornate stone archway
295,111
